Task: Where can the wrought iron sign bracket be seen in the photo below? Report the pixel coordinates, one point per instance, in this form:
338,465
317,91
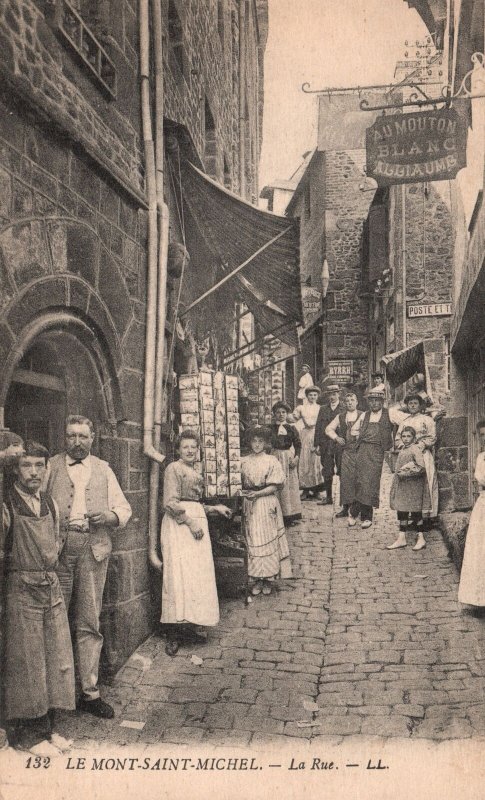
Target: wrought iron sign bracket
464,91
391,87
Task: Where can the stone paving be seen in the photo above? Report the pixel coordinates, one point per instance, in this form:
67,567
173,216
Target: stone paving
376,640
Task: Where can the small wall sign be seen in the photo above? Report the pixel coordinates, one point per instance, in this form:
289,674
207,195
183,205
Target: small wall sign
430,310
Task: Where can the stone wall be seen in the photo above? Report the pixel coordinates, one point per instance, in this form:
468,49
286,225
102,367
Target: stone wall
331,210
429,274
44,75
346,208
69,240
429,245
73,227
211,71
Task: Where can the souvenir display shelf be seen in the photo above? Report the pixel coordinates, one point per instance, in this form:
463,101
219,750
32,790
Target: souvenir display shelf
209,406
265,389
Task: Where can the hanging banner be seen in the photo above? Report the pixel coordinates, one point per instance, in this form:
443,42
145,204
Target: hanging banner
416,147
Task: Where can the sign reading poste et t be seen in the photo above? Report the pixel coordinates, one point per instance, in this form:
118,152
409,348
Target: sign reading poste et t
416,147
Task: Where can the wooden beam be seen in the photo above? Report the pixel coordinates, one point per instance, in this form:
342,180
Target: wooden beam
39,380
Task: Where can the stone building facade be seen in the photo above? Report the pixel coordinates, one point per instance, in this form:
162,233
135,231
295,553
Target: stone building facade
73,226
331,208
422,239
466,406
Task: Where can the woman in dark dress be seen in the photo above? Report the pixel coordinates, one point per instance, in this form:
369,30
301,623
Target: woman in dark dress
286,445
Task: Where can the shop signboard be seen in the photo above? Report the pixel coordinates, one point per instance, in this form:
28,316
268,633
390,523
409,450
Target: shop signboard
340,371
416,147
430,310
312,303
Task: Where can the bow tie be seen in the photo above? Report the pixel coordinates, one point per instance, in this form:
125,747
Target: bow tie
76,461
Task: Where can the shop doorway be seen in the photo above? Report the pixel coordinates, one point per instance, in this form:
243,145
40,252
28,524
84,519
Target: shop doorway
56,376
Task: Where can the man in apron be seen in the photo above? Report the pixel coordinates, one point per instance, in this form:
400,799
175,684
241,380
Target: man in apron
340,430
91,506
329,451
39,669
374,430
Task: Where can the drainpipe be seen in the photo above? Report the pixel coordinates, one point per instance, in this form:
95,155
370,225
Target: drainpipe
162,208
404,267
153,289
242,98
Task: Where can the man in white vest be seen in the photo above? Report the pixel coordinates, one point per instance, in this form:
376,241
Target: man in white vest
91,506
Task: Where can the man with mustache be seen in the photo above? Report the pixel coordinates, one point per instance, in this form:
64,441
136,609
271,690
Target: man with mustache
39,669
91,506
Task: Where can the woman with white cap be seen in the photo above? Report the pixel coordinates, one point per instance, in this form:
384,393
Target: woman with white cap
425,428
304,383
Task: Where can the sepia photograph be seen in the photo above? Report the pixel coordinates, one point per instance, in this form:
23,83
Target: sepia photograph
242,399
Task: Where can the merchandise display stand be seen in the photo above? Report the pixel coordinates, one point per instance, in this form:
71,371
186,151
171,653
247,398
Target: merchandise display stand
209,406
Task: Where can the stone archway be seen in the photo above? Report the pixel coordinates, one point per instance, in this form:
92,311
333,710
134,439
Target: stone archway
56,376
59,366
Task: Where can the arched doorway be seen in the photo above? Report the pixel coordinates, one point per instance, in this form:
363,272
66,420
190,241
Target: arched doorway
56,376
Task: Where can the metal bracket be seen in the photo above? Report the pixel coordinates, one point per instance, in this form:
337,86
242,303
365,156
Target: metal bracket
414,101
464,92
329,90
478,61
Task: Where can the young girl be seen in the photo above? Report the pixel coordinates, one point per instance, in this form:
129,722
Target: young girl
262,478
472,579
409,491
189,593
425,428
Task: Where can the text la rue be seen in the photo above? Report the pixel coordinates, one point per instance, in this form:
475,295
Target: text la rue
319,764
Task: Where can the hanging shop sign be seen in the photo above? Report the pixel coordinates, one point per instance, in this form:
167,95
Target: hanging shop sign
341,371
430,310
312,303
416,147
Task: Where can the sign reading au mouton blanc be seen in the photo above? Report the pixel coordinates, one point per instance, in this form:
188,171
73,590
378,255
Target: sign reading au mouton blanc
430,310
416,147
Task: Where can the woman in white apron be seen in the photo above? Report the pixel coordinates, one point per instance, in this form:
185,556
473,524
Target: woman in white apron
189,593
310,467
472,579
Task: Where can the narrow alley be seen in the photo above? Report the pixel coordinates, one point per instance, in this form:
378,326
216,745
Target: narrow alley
375,639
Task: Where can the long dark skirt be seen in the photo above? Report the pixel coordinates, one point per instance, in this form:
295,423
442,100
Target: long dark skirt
368,468
348,475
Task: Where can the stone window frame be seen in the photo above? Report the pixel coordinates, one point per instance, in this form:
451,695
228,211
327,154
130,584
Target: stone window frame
307,201
177,53
221,22
210,137
77,35
227,173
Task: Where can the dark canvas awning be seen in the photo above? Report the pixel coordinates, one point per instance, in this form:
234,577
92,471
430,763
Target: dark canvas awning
404,364
235,231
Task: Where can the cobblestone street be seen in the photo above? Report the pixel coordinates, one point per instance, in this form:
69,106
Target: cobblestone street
375,638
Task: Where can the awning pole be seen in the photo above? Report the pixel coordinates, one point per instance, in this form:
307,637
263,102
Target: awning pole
235,271
273,363
274,333
255,347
